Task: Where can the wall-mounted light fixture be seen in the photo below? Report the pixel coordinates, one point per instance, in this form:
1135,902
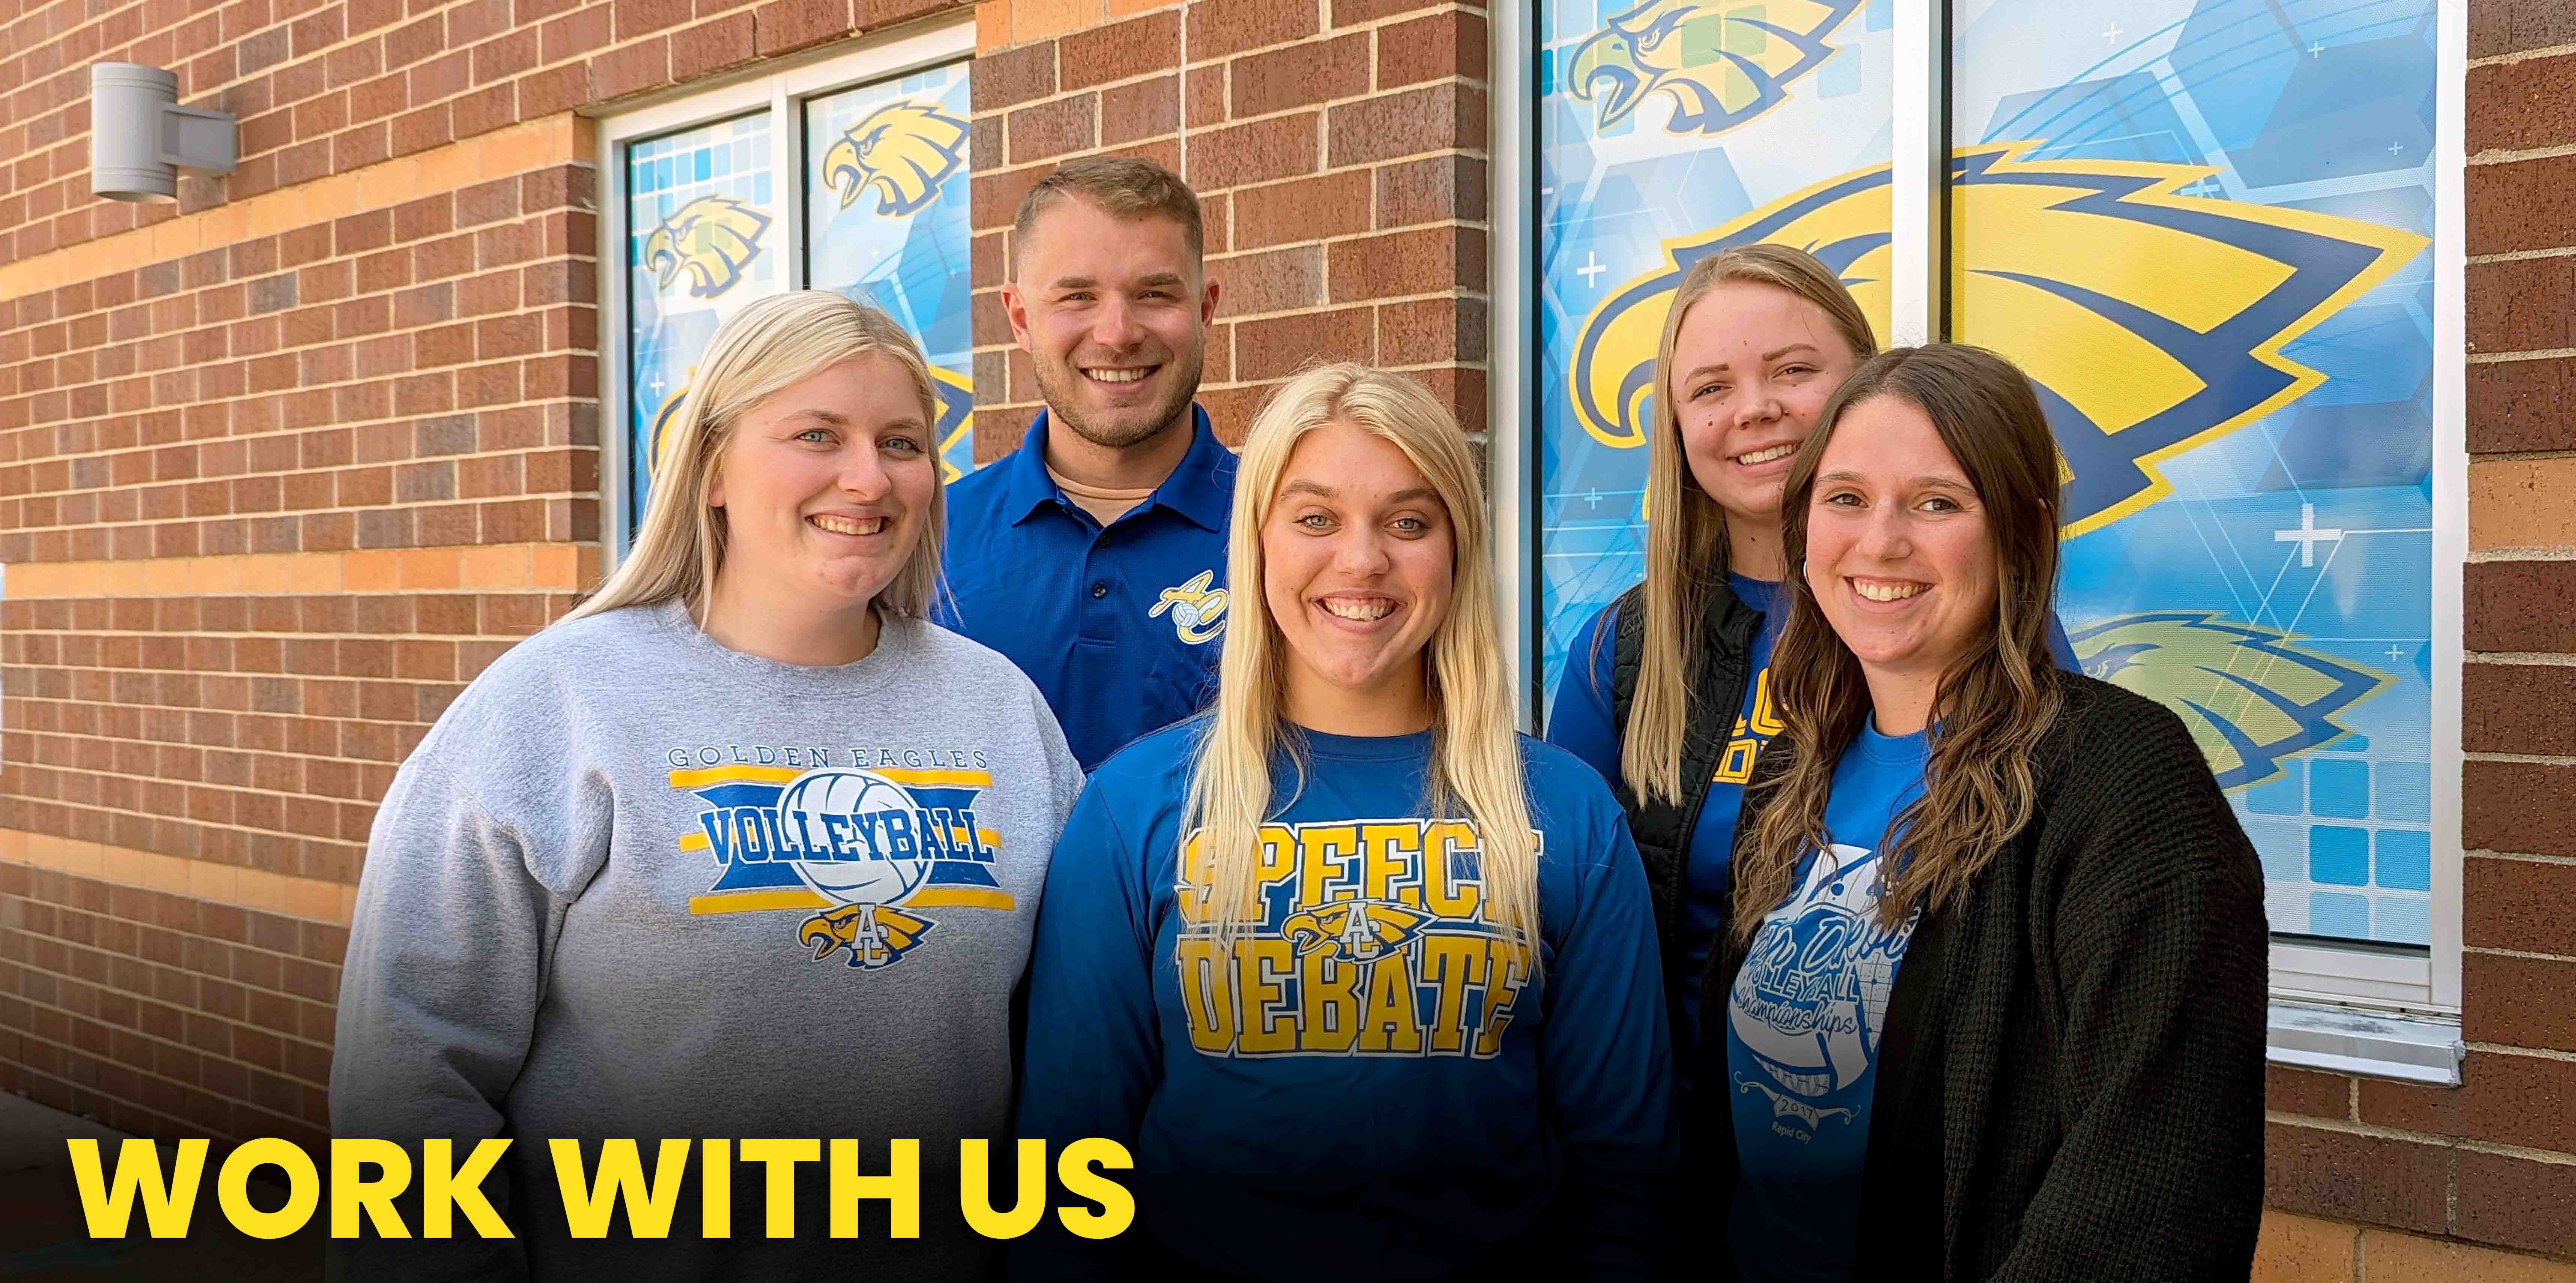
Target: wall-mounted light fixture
139,134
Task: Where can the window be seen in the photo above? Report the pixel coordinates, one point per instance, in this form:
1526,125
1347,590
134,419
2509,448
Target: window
2224,239
850,175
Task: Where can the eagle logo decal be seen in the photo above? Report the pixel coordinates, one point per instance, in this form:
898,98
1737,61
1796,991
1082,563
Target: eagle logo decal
1353,930
903,150
1721,64
2134,367
2250,694
710,240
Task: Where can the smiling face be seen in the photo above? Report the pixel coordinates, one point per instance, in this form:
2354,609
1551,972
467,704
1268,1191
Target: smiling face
1113,313
826,487
1899,555
1752,366
1357,556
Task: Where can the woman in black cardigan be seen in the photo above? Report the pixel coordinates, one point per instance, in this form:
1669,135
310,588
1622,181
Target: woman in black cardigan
1990,999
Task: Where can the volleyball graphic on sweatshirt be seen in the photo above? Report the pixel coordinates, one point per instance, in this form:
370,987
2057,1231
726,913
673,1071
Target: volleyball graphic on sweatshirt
850,835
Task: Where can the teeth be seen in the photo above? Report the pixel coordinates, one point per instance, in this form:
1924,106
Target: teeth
1119,376
1362,611
1780,451
848,525
1886,592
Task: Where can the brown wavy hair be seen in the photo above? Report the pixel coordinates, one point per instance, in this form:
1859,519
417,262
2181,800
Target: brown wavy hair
1992,705
1685,529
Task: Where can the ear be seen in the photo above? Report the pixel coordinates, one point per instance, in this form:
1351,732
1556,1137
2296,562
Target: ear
1207,302
1015,305
716,482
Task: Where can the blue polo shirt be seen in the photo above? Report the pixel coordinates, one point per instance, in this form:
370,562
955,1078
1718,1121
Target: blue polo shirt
1119,626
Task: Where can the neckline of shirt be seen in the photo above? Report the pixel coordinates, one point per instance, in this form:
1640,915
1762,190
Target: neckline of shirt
1364,748
899,640
1893,750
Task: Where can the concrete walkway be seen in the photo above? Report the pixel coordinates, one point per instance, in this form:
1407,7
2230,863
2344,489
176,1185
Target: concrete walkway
43,1236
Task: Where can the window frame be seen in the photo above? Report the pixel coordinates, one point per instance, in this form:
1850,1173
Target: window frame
781,90
2387,1006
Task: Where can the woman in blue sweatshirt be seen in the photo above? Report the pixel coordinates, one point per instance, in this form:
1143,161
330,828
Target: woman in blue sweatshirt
1365,982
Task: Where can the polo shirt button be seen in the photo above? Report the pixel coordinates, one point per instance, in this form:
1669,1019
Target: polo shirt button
1100,590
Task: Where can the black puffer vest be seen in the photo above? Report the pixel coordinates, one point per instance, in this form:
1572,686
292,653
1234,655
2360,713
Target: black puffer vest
1718,674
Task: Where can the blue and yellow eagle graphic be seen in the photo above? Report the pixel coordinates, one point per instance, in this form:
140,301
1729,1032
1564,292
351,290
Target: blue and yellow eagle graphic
904,150
1722,64
2150,321
710,240
2251,695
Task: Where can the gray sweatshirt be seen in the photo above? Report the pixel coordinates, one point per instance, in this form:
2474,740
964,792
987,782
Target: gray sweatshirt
634,884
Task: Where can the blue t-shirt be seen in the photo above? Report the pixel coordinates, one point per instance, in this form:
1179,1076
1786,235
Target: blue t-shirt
1584,723
1118,626
1802,1025
1373,1086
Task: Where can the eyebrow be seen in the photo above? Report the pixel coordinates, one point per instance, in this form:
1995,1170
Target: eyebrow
1324,491
1093,282
1911,483
1719,367
834,418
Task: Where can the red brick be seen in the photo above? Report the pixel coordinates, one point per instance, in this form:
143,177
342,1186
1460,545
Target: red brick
1273,281
2343,1176
1145,109
1428,331
2512,26
1259,152
2522,105
2522,405
1424,261
2526,906
1056,128
2518,1002
713,46
2524,1101
2517,1203
1119,51
2525,204
1014,76
1221,27
789,25
1302,75
1430,190
2518,305
630,69
1430,48
1438,117
1274,348
2519,708
2520,606
1334,204
2522,807
2299,1091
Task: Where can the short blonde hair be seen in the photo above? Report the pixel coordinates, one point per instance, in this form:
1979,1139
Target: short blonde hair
771,344
1122,185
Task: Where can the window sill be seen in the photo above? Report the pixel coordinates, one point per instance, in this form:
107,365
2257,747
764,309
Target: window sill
2374,1044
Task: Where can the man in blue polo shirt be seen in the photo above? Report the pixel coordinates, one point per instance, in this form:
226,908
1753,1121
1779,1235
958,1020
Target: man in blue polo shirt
1094,555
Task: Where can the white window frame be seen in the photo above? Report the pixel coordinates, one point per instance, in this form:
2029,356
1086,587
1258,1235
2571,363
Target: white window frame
781,88
2350,1008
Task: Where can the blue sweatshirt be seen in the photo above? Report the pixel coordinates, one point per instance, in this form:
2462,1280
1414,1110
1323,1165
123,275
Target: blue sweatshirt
1375,1088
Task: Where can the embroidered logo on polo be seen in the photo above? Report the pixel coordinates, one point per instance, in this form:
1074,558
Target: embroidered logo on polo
1372,941
1197,609
862,844
1812,995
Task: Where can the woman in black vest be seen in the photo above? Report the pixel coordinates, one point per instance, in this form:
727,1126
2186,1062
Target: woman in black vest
1665,691
1991,981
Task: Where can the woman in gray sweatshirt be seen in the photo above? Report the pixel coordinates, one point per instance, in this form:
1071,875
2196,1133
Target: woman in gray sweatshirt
742,848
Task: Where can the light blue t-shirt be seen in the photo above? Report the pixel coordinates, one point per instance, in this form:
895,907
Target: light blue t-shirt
1803,1022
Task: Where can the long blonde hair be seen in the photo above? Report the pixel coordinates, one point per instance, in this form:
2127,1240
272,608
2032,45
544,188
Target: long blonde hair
771,344
1685,529
1476,755
1992,706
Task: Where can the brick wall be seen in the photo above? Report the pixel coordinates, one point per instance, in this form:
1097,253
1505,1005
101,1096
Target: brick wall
1338,147
2366,1166
282,465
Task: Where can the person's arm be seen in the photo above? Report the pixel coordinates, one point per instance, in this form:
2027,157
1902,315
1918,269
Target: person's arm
1607,1065
1582,720
1094,1047
439,992
2161,964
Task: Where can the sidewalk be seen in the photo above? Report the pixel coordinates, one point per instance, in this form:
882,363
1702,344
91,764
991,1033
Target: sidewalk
44,1238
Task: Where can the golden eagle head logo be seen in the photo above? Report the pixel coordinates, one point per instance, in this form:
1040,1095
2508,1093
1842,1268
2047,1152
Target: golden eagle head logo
710,239
1353,930
2151,322
876,935
1721,64
903,149
2251,695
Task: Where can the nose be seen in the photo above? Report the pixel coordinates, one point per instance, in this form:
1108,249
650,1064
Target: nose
1887,533
863,474
1756,404
1360,553
1114,325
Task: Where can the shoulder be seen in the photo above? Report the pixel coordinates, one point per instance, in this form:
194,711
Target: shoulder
1567,797
2100,724
971,497
961,658
566,660
1153,766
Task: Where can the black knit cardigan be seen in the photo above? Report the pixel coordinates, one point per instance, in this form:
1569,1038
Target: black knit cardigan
2070,1077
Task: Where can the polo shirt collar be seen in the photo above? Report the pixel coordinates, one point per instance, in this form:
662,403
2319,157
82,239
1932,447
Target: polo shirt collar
1196,489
